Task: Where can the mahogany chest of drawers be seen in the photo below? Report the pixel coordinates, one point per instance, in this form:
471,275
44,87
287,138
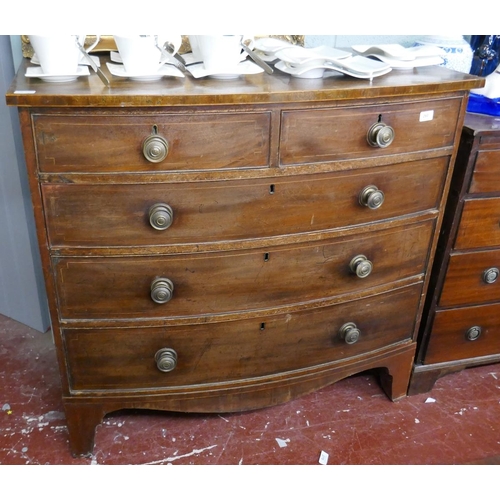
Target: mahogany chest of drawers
461,324
215,246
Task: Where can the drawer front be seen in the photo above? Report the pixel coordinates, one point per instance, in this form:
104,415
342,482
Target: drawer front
335,134
472,278
479,225
219,352
449,340
119,215
222,282
486,177
97,143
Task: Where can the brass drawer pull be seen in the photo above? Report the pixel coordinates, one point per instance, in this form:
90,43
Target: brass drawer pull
166,360
473,333
155,147
490,275
371,197
161,216
350,333
380,135
162,290
361,266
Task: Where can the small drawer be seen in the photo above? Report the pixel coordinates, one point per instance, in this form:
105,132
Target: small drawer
124,359
237,281
115,143
472,278
479,224
322,135
166,214
463,333
486,176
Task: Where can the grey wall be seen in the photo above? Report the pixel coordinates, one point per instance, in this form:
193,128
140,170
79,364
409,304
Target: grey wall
22,295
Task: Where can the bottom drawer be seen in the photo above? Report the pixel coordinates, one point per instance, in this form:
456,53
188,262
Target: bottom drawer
454,334
211,353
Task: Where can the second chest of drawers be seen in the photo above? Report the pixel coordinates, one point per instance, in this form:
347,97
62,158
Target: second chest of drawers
462,320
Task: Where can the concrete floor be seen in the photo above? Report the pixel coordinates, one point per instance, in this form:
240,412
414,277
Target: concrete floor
352,421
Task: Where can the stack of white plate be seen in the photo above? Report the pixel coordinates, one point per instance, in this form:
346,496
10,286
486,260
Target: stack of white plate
318,62
399,57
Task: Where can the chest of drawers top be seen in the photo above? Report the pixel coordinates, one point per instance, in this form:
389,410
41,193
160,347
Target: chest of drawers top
254,89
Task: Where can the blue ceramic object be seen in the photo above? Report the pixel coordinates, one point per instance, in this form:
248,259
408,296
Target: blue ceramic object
486,54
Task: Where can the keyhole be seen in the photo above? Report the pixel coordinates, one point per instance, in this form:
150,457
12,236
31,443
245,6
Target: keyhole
155,129
379,118
271,189
266,257
262,326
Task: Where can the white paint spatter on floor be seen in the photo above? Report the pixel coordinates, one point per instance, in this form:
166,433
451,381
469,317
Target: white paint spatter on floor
494,375
282,442
417,421
172,459
430,400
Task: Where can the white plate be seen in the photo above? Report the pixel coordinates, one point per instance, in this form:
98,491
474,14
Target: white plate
269,46
418,62
396,51
165,70
352,67
243,68
301,55
36,72
303,71
389,50
83,61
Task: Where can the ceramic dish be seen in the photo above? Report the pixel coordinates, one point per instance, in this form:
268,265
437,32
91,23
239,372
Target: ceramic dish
398,52
360,69
244,68
393,50
165,70
418,62
269,46
301,55
83,61
36,72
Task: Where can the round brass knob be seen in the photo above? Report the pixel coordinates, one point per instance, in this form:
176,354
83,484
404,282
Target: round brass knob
380,135
361,266
490,275
161,216
166,359
155,148
371,197
349,333
473,333
162,290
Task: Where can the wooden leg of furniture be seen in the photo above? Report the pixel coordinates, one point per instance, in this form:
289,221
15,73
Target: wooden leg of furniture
82,419
395,376
425,376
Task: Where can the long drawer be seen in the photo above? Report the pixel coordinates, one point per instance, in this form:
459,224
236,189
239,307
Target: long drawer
463,333
472,278
114,143
486,177
124,359
320,135
121,215
222,282
479,225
